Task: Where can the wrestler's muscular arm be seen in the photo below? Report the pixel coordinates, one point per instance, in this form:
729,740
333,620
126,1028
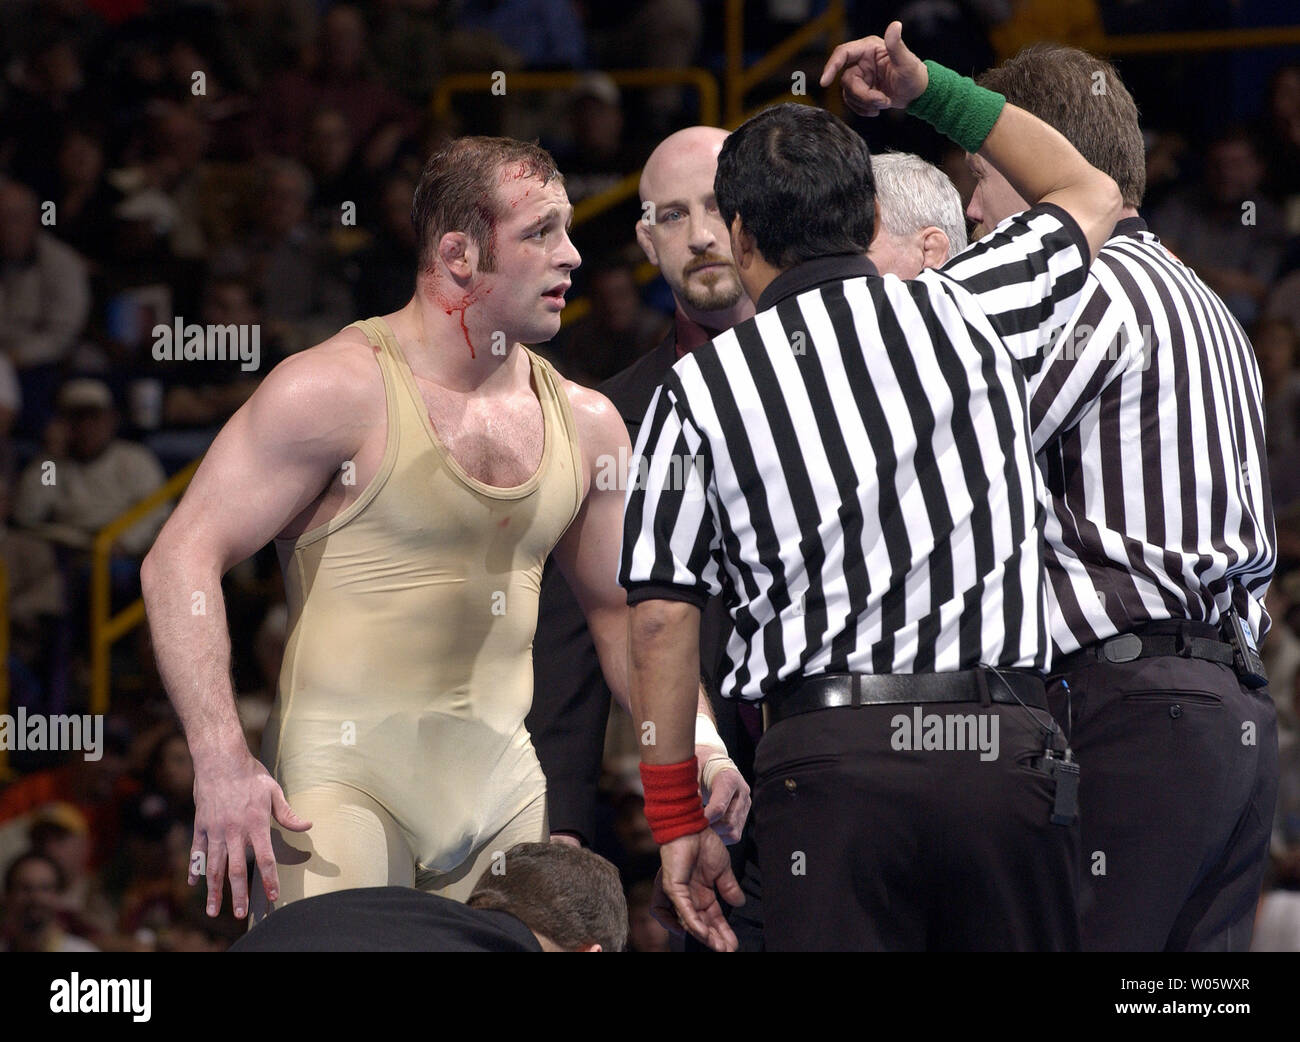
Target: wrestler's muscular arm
588,556
271,461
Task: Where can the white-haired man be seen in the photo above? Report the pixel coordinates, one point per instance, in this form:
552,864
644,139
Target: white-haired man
919,217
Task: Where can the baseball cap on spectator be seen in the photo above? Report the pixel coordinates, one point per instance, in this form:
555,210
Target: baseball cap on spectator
149,206
64,815
84,393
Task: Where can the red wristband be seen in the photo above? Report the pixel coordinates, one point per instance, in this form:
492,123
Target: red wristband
672,800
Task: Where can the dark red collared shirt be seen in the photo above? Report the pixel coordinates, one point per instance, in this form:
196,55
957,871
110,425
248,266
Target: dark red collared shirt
690,334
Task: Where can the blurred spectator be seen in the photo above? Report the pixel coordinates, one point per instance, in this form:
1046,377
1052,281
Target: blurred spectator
199,395
35,583
338,76
598,156
177,142
44,296
147,284
304,299
1284,300
1281,654
331,161
1285,846
61,833
382,275
408,40
83,198
619,35
33,884
270,35
1165,151
1225,228
167,796
89,476
544,33
72,21
1281,142
1276,342
97,788
618,330
47,89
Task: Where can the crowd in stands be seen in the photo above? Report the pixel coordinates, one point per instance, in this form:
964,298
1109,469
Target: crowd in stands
204,165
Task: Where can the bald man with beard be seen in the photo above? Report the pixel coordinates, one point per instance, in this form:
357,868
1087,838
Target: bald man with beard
681,232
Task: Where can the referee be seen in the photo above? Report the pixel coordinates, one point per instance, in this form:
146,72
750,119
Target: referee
1148,426
867,506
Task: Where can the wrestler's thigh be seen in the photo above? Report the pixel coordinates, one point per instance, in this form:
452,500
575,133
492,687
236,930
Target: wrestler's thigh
353,842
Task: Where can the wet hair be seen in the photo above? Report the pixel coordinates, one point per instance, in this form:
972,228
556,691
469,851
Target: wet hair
458,191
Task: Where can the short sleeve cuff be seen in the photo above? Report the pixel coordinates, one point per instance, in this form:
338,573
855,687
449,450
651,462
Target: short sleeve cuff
1071,227
654,591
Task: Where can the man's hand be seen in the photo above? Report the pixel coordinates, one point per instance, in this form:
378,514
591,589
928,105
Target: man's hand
693,866
566,838
232,811
879,73
726,791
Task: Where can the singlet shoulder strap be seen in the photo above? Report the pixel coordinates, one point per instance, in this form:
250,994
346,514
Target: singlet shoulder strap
551,385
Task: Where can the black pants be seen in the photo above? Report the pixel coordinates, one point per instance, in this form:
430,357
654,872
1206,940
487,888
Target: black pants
864,846
1178,783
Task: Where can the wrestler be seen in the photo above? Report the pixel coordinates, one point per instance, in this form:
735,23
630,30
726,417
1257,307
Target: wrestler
415,470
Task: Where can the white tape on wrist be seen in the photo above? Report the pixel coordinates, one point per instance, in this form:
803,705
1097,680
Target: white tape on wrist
714,766
707,734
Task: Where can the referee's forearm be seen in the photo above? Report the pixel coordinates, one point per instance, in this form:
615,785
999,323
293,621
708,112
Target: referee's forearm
664,675
1044,167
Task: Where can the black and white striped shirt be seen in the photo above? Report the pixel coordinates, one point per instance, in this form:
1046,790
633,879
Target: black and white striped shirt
1148,425
851,468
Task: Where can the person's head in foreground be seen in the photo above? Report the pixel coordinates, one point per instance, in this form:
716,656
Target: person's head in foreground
570,898
491,219
919,221
549,897
1082,97
794,184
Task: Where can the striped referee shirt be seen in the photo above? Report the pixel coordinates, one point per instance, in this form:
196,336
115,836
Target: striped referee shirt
1148,426
851,468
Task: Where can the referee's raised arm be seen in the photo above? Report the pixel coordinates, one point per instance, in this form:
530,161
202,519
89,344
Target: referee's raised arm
881,73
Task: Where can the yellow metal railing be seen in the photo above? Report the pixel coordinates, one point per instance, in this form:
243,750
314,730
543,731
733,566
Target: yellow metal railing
1203,40
105,627
701,79
831,24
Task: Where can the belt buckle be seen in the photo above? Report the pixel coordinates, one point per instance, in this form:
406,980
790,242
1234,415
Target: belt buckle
1125,648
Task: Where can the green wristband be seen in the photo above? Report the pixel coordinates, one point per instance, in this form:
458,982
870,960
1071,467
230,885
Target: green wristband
957,107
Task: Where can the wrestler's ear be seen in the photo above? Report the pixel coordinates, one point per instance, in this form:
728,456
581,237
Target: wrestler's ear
458,255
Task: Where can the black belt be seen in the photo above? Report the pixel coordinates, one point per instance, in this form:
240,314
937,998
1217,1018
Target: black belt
1197,640
834,690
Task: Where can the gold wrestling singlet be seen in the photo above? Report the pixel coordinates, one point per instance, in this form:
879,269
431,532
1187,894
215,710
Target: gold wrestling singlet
398,726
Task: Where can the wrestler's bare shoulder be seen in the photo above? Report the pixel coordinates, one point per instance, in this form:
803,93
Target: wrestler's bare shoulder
333,381
600,427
